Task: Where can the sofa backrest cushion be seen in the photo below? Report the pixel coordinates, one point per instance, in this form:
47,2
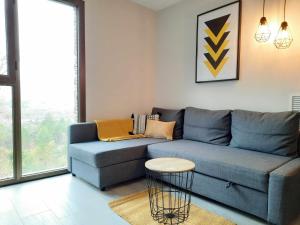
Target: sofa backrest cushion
275,133
209,126
168,115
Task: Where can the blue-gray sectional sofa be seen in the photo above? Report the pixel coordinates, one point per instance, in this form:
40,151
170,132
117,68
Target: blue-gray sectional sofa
246,160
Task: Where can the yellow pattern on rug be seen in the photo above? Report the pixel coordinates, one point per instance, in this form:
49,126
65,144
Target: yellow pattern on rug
136,211
115,130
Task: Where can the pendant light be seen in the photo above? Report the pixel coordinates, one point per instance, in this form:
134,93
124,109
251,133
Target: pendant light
263,32
284,38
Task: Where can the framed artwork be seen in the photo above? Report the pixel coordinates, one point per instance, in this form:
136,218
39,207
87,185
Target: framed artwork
218,40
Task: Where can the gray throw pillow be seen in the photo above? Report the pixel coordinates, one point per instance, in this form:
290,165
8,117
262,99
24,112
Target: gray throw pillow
209,126
168,115
274,133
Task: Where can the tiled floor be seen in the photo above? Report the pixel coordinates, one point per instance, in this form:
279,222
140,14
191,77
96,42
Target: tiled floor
65,200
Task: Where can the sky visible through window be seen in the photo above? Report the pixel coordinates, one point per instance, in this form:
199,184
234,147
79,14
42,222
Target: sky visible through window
3,61
47,34
48,72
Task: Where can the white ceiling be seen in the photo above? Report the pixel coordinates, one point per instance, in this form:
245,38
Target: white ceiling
156,4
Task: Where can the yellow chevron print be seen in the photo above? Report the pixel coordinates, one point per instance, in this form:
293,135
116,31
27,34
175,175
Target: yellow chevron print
216,44
217,38
216,55
216,71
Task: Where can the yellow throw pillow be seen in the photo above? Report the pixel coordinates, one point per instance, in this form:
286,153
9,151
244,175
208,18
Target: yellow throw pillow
159,129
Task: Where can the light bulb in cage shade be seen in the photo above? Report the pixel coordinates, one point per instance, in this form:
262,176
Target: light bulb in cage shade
263,32
284,37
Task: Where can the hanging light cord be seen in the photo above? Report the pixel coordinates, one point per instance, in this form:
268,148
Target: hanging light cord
264,8
284,10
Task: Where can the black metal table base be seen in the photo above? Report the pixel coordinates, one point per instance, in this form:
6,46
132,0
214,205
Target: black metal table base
170,204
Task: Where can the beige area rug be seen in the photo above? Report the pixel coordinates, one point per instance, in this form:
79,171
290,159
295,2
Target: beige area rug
135,210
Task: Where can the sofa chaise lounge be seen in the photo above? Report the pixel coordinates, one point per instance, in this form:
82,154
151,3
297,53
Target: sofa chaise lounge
246,160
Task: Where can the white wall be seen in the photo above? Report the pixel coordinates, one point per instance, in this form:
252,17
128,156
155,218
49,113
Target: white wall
120,58
267,76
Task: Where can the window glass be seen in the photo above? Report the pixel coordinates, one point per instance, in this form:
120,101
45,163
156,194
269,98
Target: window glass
48,80
6,133
3,53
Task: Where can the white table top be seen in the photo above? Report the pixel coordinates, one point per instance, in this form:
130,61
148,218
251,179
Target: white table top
170,165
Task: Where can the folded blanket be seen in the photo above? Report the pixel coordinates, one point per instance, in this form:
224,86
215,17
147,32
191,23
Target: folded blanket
116,130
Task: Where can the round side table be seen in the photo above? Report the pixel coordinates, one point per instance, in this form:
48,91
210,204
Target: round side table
169,184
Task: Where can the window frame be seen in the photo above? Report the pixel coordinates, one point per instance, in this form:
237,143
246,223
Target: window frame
13,79
10,77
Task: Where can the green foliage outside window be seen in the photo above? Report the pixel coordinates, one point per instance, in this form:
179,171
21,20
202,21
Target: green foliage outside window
44,140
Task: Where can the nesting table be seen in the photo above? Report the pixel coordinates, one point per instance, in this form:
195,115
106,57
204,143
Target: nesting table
169,182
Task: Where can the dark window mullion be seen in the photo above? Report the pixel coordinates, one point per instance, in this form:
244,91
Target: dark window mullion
13,74
13,44
81,60
11,38
10,77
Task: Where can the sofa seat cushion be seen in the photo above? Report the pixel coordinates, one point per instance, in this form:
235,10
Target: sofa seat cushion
100,154
247,168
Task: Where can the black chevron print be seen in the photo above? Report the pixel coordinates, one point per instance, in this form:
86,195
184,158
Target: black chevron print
214,63
217,24
216,47
217,34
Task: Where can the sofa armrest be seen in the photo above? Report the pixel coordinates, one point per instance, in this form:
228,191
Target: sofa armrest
284,193
82,132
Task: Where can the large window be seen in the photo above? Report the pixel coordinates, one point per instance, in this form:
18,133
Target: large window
48,75
42,91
